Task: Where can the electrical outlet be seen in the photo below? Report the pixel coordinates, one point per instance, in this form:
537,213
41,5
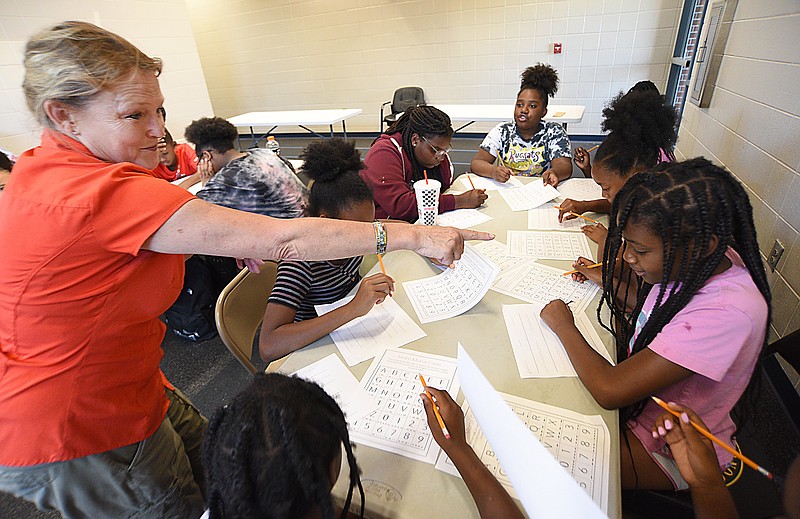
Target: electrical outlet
775,255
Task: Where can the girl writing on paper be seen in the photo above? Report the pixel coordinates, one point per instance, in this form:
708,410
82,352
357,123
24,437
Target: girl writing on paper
527,146
336,191
416,144
700,315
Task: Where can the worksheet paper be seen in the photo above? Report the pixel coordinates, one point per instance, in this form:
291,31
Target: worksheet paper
454,291
537,283
545,217
385,326
580,189
539,352
462,218
529,196
497,253
557,461
548,245
399,424
488,184
340,384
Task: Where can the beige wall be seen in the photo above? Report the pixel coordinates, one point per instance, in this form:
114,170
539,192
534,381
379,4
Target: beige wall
753,128
159,28
294,54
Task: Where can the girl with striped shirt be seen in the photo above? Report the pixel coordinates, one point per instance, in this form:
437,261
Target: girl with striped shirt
336,191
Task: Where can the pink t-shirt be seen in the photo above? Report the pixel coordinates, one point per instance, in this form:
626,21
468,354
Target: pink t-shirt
718,336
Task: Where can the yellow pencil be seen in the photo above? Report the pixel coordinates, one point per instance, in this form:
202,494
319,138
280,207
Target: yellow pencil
702,430
576,214
592,266
383,268
470,181
435,409
593,148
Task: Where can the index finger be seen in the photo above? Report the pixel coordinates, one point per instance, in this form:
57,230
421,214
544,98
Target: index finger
470,234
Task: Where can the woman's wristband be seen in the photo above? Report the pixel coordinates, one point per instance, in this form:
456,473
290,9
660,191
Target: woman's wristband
381,240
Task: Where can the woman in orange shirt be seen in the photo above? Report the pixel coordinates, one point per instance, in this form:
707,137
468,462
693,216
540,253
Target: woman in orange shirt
91,250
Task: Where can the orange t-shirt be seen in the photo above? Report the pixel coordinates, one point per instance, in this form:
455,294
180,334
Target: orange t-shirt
80,338
187,164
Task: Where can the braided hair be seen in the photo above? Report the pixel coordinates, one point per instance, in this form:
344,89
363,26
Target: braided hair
268,453
685,204
334,165
641,125
426,121
542,78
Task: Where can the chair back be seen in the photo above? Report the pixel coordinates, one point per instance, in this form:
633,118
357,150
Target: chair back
240,310
406,97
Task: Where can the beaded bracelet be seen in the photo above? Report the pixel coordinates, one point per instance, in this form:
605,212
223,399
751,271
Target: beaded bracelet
380,237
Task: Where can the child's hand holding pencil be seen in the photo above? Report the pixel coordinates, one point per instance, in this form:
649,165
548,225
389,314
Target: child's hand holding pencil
440,405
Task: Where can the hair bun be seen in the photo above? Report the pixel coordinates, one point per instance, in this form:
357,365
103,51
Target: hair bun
327,159
540,77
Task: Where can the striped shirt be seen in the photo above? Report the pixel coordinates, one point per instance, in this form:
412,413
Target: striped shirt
302,284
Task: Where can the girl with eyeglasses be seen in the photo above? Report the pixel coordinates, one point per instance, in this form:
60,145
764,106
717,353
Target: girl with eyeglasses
527,146
418,142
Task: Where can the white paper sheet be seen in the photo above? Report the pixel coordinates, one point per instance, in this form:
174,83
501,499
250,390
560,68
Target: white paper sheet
537,283
399,424
538,351
385,326
580,189
545,217
497,253
462,218
338,382
548,487
548,245
529,196
454,291
488,184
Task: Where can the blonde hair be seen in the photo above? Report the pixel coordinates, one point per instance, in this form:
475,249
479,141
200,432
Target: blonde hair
73,61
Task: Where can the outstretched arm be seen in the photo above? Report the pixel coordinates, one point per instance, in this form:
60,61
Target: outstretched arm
490,497
199,227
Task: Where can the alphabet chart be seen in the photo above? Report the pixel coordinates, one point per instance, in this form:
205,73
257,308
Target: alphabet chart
545,217
454,291
578,442
497,253
537,283
548,244
399,424
580,189
529,196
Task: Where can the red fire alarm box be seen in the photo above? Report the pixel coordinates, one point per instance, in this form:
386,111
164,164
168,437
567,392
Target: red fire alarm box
557,48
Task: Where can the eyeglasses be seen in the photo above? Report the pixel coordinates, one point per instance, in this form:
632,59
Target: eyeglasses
438,152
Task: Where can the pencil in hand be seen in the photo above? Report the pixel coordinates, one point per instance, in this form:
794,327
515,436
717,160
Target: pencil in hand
435,409
592,266
469,177
702,430
383,268
573,213
593,148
